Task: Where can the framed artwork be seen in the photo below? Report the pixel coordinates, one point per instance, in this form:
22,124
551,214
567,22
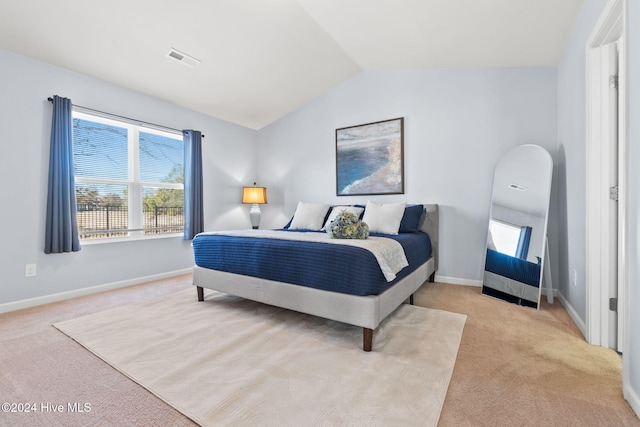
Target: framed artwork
370,158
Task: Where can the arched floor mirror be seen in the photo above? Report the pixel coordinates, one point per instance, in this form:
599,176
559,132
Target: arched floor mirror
516,236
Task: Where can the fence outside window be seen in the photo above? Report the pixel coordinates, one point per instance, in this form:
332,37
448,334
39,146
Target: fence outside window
98,222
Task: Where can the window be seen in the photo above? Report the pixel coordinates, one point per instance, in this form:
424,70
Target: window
129,178
505,237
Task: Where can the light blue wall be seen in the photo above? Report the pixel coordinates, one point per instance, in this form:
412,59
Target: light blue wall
572,174
25,121
572,157
458,123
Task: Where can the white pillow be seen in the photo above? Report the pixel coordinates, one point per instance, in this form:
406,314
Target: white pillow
339,209
309,216
384,218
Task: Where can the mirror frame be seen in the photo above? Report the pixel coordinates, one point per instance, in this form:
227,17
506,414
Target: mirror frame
517,284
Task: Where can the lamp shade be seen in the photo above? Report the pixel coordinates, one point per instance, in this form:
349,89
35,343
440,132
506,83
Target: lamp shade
254,195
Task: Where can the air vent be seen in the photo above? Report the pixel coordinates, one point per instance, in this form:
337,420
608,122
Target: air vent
517,187
183,58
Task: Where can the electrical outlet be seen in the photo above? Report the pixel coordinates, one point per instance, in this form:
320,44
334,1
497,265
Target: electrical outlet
30,270
574,277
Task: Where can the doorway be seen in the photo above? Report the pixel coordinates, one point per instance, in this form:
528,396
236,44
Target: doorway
606,180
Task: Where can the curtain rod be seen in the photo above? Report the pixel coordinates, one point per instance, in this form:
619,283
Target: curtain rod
160,127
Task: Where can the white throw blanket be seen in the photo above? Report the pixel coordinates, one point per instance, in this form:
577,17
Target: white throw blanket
389,253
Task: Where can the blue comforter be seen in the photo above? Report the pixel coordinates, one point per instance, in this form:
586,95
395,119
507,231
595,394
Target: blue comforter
336,268
513,268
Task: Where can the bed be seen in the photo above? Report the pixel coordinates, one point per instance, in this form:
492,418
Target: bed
512,276
338,283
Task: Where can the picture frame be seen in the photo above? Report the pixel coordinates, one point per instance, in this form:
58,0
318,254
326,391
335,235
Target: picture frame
370,158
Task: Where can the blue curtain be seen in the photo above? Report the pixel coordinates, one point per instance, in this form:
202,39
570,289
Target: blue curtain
523,243
193,206
61,231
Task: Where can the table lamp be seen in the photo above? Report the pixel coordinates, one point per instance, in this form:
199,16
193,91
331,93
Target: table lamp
255,196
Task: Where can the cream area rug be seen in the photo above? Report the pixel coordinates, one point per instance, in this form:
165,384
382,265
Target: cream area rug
230,361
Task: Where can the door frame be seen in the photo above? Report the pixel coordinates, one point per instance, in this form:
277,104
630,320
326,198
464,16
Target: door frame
611,26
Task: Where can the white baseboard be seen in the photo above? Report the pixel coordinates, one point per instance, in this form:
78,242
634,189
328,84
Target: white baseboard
573,314
632,397
46,299
458,281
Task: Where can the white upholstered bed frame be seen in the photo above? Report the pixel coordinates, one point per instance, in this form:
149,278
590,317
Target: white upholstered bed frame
364,311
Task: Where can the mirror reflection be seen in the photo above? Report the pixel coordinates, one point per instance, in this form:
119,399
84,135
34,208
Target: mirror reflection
516,236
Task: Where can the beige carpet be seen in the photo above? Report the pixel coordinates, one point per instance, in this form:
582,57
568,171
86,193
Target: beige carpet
228,361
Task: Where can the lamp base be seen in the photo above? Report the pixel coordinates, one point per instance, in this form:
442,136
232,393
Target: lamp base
254,216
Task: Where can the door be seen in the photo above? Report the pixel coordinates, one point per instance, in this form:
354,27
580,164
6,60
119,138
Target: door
611,138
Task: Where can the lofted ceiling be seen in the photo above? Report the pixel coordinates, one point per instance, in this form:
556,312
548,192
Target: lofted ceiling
261,59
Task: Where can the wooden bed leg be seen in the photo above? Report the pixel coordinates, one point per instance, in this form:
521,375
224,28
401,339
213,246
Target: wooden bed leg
367,339
432,278
411,299
200,293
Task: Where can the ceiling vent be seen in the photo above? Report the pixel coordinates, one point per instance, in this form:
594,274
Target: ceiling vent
183,58
518,187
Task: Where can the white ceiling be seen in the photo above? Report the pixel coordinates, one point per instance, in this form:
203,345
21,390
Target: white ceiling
262,59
